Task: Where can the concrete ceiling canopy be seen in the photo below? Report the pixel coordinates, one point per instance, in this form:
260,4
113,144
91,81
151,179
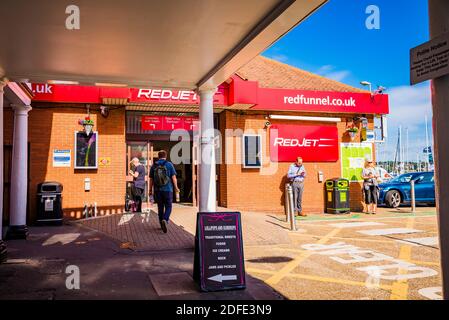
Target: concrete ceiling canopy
170,43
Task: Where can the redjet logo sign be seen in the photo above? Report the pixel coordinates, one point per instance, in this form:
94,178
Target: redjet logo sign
304,143
312,143
159,94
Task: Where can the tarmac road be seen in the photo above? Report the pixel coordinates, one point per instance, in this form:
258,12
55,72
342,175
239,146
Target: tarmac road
392,255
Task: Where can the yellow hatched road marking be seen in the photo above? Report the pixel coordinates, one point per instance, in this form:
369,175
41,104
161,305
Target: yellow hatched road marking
345,238
425,263
318,278
399,289
289,267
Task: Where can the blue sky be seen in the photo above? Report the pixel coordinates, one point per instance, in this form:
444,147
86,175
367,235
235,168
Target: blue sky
334,42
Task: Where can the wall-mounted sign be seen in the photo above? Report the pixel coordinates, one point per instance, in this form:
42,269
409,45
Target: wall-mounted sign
167,123
246,93
219,263
96,94
62,158
174,96
321,101
353,157
312,143
86,150
104,162
370,136
430,60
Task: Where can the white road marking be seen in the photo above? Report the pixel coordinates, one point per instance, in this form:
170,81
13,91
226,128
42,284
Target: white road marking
384,232
355,224
427,241
434,293
64,238
340,251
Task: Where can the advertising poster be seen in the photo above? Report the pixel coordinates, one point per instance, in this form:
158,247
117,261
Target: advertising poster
353,156
86,150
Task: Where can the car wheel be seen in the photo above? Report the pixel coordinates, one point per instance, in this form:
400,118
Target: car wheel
393,199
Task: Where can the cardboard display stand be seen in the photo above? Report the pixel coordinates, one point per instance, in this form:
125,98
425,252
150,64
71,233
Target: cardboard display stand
219,263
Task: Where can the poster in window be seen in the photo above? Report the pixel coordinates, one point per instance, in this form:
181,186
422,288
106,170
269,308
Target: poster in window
86,150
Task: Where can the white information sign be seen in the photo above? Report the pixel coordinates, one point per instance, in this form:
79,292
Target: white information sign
62,158
430,60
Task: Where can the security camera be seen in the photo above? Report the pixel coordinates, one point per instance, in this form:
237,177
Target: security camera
104,110
380,90
267,124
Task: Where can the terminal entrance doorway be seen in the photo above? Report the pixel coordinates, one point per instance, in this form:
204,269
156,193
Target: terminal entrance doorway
147,153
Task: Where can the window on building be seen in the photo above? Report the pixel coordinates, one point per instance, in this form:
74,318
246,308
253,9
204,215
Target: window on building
252,151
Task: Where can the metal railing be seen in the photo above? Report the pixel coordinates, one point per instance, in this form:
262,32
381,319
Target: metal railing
290,207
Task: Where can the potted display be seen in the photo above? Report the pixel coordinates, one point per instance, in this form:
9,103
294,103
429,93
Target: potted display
352,131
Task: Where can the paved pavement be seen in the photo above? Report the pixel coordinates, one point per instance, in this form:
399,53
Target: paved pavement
391,255
142,231
39,267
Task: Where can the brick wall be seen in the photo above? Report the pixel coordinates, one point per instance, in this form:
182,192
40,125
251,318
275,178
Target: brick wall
241,189
248,189
54,128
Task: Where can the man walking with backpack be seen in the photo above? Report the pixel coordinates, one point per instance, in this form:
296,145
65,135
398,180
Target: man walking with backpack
163,178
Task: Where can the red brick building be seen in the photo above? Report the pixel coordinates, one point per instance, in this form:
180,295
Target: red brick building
263,96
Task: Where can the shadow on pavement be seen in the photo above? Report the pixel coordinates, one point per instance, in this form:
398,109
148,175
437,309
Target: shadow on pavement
36,268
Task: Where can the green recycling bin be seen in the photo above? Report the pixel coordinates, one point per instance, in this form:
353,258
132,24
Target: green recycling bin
337,196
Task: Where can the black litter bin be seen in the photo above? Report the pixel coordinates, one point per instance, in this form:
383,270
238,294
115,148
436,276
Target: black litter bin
49,203
337,196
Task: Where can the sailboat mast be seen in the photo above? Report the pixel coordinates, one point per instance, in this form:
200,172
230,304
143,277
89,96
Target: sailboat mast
427,146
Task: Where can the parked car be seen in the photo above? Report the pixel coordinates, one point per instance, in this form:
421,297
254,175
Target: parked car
397,191
384,175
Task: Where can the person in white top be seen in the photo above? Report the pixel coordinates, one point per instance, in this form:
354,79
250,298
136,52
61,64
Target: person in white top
370,187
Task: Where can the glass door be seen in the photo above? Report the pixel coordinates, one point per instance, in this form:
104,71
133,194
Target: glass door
141,150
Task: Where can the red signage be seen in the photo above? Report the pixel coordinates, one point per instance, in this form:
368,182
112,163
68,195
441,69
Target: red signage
166,123
312,143
65,93
174,96
321,101
238,93
94,94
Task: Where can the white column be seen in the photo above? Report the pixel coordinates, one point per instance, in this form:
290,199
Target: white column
439,23
19,176
206,173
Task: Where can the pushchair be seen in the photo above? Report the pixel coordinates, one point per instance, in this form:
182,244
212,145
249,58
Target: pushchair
130,204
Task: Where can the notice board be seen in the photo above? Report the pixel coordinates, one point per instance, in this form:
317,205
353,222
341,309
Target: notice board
353,157
430,60
219,262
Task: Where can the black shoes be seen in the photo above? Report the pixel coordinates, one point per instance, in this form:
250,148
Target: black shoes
164,226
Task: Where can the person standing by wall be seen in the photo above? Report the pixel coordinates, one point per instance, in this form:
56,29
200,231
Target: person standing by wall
296,174
138,187
370,187
163,179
